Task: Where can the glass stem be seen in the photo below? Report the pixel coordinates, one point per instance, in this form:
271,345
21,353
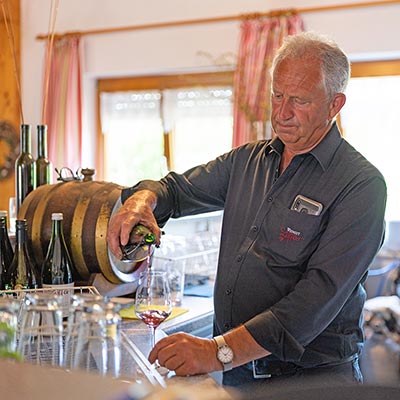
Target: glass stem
153,336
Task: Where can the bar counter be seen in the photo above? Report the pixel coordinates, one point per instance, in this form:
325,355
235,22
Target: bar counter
22,380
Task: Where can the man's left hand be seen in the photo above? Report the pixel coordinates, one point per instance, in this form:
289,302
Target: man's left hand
186,354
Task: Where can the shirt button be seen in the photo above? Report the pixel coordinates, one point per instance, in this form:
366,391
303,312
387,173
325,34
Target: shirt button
228,291
254,228
270,199
239,258
227,326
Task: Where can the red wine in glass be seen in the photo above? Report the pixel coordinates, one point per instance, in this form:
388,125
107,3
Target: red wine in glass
153,299
153,317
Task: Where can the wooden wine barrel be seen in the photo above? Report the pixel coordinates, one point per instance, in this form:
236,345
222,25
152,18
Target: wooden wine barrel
87,208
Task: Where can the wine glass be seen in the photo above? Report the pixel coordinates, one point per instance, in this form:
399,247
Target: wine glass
153,300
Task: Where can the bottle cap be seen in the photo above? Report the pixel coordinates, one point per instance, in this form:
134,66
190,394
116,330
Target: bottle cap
57,216
21,223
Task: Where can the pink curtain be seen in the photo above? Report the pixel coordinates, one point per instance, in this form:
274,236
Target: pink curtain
63,107
259,40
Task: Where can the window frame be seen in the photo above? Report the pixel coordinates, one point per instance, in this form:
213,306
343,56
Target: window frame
152,82
375,68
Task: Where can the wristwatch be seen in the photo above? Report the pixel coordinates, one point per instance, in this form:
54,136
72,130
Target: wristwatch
224,353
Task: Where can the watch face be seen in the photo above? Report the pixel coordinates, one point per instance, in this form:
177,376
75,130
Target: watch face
225,354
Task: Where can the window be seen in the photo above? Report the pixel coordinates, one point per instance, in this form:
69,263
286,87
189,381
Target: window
369,121
200,124
133,136
151,125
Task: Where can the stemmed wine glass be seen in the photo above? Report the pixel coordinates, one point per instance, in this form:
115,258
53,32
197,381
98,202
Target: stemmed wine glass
153,300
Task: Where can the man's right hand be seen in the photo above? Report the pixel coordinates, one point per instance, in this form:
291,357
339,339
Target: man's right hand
137,209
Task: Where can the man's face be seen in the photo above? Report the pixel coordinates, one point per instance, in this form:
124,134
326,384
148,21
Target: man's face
301,110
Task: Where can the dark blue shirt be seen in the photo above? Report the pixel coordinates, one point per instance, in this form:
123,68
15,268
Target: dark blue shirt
293,279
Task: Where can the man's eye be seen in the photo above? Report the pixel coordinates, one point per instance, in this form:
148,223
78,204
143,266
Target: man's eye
300,102
277,96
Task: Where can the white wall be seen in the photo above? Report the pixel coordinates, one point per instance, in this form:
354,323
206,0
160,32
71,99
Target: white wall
367,33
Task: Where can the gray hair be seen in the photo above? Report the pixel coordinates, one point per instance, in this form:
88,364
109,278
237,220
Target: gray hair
335,65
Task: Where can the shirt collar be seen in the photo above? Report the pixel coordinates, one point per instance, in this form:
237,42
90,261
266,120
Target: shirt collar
326,149
323,152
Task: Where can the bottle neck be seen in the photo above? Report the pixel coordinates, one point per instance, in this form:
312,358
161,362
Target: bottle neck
20,237
3,229
42,141
4,218
25,139
57,229
5,243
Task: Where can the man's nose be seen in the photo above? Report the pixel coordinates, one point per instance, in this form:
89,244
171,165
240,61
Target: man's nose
285,109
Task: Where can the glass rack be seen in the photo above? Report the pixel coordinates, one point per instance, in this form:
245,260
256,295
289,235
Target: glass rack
134,366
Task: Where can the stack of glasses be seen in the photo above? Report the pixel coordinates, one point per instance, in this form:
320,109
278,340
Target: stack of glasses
86,336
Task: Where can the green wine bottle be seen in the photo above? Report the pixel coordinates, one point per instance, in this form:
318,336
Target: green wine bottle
5,239
22,273
3,268
42,163
24,167
57,267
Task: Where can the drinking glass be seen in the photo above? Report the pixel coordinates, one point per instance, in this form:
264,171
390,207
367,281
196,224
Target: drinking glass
75,314
153,300
8,327
98,346
175,270
41,331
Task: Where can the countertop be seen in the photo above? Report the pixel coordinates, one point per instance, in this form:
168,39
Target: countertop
21,380
24,381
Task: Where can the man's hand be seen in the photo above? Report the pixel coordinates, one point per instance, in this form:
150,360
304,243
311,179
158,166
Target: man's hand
186,354
137,209
189,355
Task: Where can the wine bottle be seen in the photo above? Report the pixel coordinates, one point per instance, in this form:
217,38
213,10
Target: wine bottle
57,267
3,267
9,252
24,167
42,163
22,273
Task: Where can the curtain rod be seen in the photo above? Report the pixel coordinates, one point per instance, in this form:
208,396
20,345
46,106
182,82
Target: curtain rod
272,13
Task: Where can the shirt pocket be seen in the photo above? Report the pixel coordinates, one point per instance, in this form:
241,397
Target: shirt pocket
291,237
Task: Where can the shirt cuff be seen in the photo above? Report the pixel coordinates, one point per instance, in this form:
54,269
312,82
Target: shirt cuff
269,333
128,192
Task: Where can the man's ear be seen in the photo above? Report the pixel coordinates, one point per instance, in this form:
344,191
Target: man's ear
336,105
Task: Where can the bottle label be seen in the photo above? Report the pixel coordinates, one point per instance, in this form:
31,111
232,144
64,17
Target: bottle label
65,291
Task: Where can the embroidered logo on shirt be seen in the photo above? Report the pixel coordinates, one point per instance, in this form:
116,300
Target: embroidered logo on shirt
289,234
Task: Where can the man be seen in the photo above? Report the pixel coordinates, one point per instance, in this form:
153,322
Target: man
303,219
